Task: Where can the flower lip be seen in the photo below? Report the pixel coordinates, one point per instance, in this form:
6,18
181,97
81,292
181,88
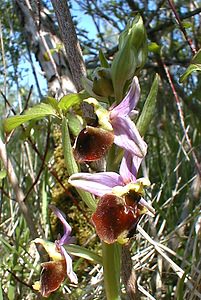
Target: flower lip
113,219
92,143
52,275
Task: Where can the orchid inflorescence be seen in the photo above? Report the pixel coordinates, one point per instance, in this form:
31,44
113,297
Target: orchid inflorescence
121,195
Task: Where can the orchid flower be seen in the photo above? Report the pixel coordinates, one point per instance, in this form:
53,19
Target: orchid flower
121,199
115,126
60,265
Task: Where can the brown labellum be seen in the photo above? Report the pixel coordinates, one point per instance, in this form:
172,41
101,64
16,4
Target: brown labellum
52,275
92,143
114,218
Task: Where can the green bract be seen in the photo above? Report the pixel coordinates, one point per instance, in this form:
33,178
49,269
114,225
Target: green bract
130,57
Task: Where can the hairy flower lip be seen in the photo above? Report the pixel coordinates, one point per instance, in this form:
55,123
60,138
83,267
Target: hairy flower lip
92,143
113,219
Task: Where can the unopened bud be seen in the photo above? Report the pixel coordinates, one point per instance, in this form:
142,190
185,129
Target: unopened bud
142,56
123,68
137,33
131,55
102,84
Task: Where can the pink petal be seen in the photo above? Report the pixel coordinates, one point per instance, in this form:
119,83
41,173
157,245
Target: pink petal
69,266
129,102
129,167
127,136
66,238
98,184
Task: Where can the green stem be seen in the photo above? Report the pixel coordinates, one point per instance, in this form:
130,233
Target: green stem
71,164
111,266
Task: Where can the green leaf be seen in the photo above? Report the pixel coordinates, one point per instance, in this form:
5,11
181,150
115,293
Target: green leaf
74,124
53,102
2,174
180,287
154,47
189,70
88,86
37,112
149,107
11,292
68,101
194,66
187,25
1,292
44,196
84,253
8,247
103,60
197,58
69,159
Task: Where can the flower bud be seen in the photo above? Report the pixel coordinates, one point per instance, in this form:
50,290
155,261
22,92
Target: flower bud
131,55
142,56
123,68
102,83
137,33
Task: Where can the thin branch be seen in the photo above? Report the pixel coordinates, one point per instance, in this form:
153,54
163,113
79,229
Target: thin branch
34,71
3,57
166,25
28,98
181,116
20,281
96,25
42,164
189,41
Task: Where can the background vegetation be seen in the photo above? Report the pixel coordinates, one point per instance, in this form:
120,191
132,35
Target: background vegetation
34,64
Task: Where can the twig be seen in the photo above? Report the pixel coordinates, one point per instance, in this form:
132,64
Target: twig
3,57
34,71
19,280
28,98
96,25
181,117
189,41
42,165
